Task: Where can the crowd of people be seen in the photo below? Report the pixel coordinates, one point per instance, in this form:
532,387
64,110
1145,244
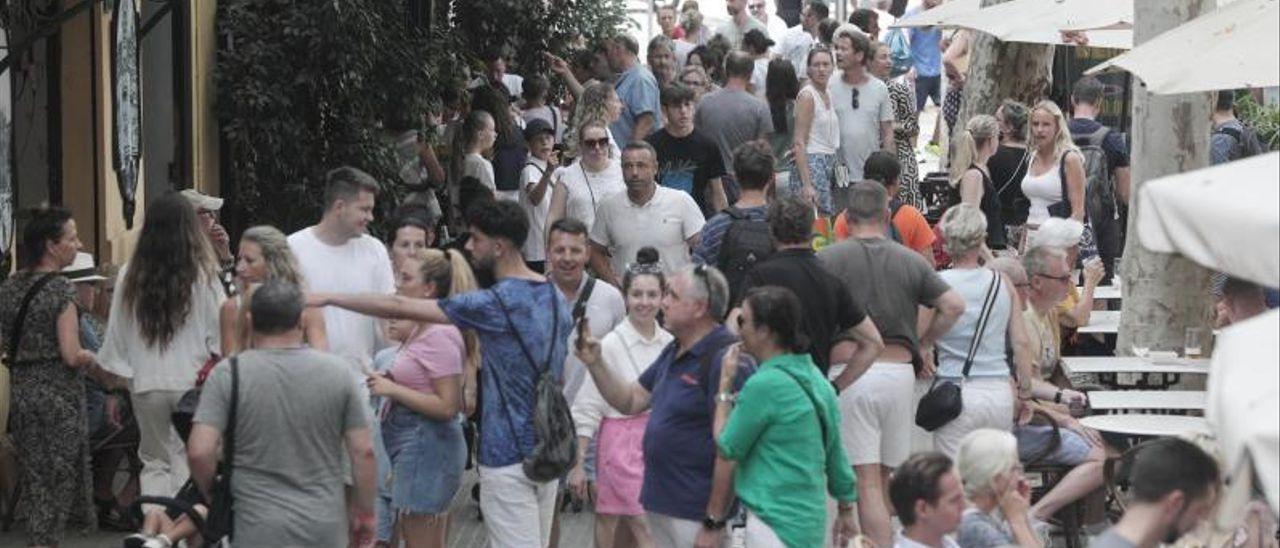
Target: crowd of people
695,293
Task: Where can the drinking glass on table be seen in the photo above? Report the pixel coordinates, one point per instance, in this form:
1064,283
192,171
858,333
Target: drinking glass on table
1141,346
1193,342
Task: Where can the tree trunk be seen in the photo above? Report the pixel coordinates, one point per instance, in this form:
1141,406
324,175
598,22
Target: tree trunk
1164,294
1003,70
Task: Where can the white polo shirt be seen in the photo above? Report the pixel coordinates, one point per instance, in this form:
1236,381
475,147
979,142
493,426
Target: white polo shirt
665,222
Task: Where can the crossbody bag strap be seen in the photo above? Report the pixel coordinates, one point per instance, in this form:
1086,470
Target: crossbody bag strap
580,304
555,333
15,336
229,440
817,411
988,304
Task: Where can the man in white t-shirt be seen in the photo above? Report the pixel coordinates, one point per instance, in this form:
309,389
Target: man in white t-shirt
861,103
338,256
646,215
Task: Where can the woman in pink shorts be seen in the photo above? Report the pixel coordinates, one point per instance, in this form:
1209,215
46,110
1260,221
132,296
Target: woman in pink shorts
627,350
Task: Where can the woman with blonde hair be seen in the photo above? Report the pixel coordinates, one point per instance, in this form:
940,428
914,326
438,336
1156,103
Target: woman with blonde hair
599,102
1055,180
998,494
972,148
422,419
264,255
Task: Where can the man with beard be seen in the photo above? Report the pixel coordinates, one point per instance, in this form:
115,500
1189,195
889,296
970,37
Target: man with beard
521,321
1174,485
646,215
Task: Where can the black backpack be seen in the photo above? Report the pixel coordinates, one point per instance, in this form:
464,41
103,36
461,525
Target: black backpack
894,205
746,243
1246,142
1099,192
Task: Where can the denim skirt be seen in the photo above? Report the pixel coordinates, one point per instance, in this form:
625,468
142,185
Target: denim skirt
427,458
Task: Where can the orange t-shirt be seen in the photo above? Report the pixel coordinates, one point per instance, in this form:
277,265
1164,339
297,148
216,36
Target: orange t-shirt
911,225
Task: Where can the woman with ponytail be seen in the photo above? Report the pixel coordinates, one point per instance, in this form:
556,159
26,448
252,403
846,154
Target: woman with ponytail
969,173
421,422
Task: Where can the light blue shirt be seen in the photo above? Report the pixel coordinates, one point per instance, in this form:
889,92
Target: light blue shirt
638,91
926,50
990,359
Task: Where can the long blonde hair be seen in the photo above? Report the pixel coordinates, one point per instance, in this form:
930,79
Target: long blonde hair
451,274
1062,142
980,130
276,253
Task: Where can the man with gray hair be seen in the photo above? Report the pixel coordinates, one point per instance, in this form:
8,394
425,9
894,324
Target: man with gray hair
637,89
288,450
680,391
876,401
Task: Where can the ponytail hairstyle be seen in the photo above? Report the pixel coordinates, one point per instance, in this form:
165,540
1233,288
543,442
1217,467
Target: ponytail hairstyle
451,274
980,131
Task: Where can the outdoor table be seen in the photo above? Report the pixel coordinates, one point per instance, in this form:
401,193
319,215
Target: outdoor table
1105,322
1147,426
1133,371
1148,400
1104,293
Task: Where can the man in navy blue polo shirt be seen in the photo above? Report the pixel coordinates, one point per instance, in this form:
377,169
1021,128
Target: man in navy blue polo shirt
680,390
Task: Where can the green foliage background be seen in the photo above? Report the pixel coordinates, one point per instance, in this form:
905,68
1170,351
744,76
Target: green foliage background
307,86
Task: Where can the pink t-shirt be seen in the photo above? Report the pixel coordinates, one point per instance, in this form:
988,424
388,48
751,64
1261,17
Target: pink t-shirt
436,352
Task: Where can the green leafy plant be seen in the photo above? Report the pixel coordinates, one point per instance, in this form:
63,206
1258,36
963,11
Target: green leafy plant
1265,119
529,27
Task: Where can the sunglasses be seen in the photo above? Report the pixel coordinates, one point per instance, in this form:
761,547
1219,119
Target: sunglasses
596,143
1059,278
854,93
755,7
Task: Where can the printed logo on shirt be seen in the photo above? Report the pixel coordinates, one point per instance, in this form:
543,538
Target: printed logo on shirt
689,379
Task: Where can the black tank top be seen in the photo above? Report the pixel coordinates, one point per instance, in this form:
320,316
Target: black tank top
990,206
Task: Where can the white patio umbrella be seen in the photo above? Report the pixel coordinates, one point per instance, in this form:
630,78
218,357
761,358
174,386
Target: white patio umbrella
1040,21
1235,46
1244,409
1225,217
935,17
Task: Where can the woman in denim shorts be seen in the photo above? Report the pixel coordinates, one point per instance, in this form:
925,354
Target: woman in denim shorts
421,422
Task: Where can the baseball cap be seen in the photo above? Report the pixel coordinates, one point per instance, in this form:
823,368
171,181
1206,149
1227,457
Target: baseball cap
537,126
201,201
82,269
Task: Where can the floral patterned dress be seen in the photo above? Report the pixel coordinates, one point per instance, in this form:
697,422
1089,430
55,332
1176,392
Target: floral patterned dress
47,412
906,128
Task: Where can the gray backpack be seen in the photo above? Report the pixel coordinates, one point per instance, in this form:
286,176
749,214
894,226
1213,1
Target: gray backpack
1099,192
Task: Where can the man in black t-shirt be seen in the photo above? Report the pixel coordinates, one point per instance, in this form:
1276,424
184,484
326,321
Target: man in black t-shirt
833,314
686,160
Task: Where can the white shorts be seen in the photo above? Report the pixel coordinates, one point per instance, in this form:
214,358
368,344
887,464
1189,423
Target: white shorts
517,511
672,532
988,403
876,414
760,535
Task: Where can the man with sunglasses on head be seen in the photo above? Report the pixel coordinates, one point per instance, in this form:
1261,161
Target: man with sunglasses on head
861,102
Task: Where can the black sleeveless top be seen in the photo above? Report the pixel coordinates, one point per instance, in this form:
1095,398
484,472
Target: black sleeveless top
990,206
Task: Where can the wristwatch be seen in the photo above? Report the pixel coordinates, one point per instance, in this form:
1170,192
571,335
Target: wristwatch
726,397
713,524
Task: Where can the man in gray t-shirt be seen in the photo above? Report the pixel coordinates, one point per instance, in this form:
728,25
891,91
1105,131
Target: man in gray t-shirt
296,408
861,103
731,115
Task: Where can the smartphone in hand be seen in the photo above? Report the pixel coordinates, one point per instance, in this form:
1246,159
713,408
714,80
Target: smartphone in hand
582,332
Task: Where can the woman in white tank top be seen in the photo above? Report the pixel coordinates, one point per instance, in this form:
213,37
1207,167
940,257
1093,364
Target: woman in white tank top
1043,185
817,135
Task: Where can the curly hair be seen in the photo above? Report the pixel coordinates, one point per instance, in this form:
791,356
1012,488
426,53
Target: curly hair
964,228
592,106
172,256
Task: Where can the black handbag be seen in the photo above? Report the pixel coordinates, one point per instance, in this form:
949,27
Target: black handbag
219,522
1061,208
944,402
555,440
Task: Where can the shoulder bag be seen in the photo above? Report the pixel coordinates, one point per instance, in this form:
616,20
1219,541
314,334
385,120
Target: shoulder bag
817,411
1062,208
15,336
555,442
943,402
219,522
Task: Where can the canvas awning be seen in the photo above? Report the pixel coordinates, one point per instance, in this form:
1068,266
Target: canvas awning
938,15
1235,46
1225,217
1041,21
1244,409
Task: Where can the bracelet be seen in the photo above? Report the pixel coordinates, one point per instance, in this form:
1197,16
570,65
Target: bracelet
726,397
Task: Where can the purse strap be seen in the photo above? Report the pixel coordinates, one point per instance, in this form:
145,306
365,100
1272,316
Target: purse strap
988,304
551,345
229,439
817,411
15,336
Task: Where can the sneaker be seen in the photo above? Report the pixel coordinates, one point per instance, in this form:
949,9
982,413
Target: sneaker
158,541
136,540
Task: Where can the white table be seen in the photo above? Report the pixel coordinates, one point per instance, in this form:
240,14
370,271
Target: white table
1103,292
1105,322
1154,400
1105,364
1147,425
